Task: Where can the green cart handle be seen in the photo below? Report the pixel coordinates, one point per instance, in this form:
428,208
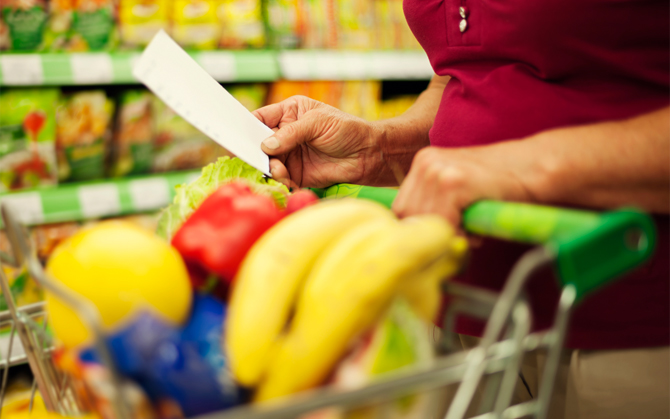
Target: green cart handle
591,248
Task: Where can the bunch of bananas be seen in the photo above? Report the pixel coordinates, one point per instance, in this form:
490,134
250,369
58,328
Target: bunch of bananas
322,277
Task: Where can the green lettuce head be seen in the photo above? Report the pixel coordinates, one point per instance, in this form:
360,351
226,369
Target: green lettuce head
189,197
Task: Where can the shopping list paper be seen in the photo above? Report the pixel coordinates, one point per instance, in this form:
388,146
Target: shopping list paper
178,80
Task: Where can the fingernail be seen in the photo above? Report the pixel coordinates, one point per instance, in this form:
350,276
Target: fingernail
271,143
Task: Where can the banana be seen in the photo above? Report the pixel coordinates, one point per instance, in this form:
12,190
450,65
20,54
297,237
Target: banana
273,273
348,290
422,289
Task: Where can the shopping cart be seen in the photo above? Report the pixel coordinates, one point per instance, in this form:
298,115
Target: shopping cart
586,249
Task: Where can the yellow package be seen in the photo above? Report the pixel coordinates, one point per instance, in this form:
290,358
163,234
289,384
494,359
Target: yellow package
141,19
195,23
361,98
241,24
356,24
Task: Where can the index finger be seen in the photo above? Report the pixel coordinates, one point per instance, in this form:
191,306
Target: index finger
270,115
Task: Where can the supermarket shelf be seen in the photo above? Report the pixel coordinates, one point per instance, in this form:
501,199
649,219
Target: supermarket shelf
116,68
88,200
225,66
354,65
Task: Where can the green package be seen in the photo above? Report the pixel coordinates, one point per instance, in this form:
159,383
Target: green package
252,96
26,22
83,134
27,138
93,27
133,149
281,22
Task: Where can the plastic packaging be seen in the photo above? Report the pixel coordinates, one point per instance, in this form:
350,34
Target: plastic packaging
83,135
27,138
195,23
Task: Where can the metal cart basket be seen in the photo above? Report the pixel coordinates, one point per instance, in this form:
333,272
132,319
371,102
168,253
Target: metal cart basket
586,249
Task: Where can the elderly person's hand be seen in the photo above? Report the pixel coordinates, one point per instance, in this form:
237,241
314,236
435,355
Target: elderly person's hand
317,145
446,181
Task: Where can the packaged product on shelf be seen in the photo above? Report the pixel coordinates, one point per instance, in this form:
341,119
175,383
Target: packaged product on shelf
252,96
83,135
27,138
281,20
179,145
5,42
241,24
395,107
133,146
328,92
59,25
284,89
195,23
25,22
318,23
47,237
24,290
355,22
384,33
139,20
361,98
93,25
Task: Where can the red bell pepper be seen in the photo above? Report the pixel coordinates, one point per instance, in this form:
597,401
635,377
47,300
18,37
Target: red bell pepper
217,236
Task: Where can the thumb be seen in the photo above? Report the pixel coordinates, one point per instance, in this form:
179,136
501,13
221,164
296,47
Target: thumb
290,136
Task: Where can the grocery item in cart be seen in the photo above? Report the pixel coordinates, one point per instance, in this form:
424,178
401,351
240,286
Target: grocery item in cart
140,20
189,197
27,138
122,269
133,144
178,144
83,135
220,232
93,25
25,21
273,274
185,365
241,24
400,340
359,274
195,23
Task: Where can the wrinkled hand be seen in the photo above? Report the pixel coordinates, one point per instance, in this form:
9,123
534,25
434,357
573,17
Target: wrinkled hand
446,181
316,145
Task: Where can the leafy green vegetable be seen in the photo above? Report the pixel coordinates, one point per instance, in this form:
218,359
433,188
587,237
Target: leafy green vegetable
189,197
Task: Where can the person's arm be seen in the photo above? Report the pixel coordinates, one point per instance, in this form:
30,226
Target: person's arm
400,138
604,165
317,145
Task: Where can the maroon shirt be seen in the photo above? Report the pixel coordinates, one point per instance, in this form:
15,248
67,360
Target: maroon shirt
523,66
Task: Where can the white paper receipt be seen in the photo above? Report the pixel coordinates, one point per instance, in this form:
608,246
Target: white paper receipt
183,85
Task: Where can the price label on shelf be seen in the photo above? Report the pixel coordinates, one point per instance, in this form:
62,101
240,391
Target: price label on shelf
327,65
21,69
295,65
149,194
92,68
354,66
219,64
26,206
99,200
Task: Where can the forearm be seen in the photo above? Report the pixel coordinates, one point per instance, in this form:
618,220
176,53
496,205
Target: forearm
398,139
606,165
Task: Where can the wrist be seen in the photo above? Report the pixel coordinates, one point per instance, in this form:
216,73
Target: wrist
393,146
